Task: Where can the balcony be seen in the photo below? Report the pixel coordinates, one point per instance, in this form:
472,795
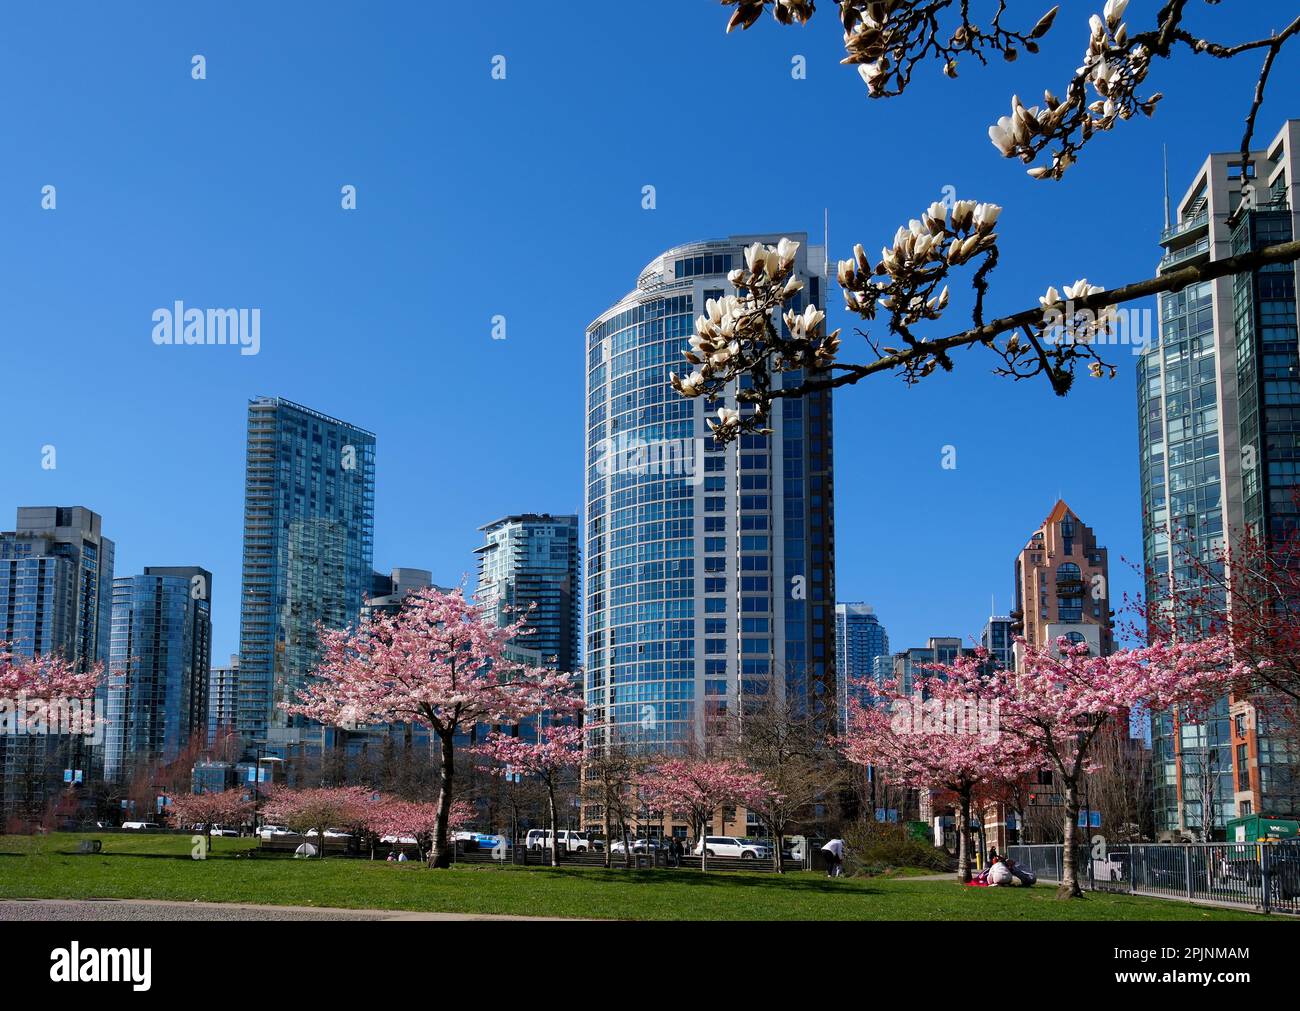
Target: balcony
1185,228
1186,254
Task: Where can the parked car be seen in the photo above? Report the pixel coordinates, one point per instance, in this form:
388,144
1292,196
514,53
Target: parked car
330,833
275,832
638,846
141,826
733,846
219,830
570,842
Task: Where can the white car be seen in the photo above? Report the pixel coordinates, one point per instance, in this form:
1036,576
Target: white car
330,833
141,826
732,846
638,846
405,840
274,831
570,842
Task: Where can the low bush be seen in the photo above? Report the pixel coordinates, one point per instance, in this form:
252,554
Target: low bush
874,848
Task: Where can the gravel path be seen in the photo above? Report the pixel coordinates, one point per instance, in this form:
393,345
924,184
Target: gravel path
146,911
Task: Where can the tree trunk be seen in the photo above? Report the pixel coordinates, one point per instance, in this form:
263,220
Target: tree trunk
609,834
777,838
963,838
1069,887
555,826
704,848
628,860
440,851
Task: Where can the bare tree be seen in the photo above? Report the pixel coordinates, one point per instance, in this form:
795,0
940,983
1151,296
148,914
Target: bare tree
784,744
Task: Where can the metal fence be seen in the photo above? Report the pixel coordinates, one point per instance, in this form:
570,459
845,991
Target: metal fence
1264,876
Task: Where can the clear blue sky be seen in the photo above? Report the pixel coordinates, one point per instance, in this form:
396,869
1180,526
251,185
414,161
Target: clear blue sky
523,198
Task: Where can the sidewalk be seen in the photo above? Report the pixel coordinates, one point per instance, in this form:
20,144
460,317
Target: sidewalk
153,909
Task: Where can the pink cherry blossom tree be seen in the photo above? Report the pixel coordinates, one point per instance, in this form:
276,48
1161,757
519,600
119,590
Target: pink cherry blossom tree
549,761
313,811
695,787
44,676
944,738
228,808
436,663
1063,698
390,817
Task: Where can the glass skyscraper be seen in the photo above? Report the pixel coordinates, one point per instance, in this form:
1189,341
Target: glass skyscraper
56,579
859,639
710,572
309,505
160,656
1219,431
532,558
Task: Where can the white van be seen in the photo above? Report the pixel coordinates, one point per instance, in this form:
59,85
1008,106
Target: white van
570,842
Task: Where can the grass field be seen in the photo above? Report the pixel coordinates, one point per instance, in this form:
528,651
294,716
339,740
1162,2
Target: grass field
159,867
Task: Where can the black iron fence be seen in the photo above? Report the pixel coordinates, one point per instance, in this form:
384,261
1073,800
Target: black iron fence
1263,876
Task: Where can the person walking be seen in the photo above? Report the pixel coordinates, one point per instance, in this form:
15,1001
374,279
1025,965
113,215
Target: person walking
833,852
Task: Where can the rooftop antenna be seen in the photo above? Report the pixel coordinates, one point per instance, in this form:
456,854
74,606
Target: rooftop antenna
1166,155
826,245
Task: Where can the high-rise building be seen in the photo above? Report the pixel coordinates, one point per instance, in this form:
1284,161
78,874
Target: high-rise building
160,656
532,559
1062,584
710,569
905,668
998,638
309,505
859,639
1219,434
56,579
223,699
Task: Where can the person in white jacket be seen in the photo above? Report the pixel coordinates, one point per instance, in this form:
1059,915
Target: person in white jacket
999,873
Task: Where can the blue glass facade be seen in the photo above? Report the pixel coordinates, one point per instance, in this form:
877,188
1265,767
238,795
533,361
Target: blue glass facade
308,550
160,657
859,639
532,559
1219,432
709,569
56,577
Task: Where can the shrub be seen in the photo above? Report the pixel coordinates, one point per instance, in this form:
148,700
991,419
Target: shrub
875,847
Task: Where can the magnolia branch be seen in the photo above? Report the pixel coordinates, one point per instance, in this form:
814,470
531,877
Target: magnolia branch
847,375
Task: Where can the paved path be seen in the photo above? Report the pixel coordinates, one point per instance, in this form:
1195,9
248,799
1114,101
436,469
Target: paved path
151,910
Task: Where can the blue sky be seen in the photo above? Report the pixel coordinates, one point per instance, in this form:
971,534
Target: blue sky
522,198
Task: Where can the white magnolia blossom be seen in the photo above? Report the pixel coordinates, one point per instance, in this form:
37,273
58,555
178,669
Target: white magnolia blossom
737,334
1063,323
1111,68
912,269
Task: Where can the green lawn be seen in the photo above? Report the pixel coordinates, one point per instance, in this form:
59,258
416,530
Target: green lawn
158,867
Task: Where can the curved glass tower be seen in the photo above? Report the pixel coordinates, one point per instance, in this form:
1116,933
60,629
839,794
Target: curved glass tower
710,574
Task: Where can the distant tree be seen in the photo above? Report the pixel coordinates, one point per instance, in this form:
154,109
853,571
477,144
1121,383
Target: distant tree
551,760
316,810
228,808
797,766
696,787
